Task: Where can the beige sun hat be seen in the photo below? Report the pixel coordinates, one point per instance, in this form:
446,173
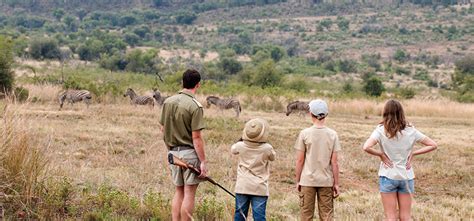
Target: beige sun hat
256,130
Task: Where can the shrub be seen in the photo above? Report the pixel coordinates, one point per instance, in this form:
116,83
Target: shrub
401,55
343,24
44,48
230,66
22,165
185,18
463,77
402,71
406,92
6,61
373,86
209,209
21,94
347,87
266,75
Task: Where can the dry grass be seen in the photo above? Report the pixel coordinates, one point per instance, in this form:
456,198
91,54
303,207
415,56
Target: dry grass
121,145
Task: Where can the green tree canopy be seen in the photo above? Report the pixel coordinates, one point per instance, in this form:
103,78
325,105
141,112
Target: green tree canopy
6,60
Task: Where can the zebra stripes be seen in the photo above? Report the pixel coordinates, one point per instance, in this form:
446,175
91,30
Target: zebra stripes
139,100
73,96
159,99
297,106
224,104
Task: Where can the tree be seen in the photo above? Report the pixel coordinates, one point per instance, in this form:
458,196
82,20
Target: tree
343,24
401,55
159,3
131,39
463,78
81,13
373,86
185,18
58,13
267,75
44,48
6,61
71,23
230,66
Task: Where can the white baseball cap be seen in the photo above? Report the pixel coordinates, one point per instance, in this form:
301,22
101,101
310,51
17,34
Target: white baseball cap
318,108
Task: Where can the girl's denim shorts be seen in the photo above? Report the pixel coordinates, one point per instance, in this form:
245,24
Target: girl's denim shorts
388,185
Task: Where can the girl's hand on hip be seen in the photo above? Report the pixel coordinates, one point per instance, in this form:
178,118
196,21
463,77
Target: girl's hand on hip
386,161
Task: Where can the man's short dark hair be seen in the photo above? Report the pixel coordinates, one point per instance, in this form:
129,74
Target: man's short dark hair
191,78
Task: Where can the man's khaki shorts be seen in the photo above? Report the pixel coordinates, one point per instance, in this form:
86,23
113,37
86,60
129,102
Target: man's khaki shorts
181,176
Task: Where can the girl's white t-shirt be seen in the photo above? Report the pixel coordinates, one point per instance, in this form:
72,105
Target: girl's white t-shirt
398,150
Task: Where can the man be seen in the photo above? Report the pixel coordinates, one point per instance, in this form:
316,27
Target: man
182,121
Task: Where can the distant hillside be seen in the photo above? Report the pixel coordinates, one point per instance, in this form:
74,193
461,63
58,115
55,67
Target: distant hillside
200,5
95,5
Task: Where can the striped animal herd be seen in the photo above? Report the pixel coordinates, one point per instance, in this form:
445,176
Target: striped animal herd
74,96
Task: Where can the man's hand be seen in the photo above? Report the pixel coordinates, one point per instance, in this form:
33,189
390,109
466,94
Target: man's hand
203,169
335,191
386,161
298,187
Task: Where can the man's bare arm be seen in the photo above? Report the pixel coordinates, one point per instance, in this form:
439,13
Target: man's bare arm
198,143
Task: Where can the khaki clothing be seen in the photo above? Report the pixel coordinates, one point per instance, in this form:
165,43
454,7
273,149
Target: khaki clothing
181,176
308,200
181,115
318,144
253,170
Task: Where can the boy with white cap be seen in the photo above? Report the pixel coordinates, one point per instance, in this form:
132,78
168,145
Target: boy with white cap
253,170
317,171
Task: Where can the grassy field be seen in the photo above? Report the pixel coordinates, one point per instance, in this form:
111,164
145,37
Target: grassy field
119,147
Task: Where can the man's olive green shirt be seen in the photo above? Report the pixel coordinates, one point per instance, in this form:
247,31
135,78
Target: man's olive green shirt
181,115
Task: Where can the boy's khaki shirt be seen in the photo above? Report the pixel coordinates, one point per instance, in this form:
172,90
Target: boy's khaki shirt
318,145
253,170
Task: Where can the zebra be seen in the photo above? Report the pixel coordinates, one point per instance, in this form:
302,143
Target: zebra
297,106
139,100
159,99
73,96
224,104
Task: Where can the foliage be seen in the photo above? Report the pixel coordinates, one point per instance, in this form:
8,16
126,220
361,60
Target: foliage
6,60
22,165
209,209
142,62
185,18
230,65
463,78
401,55
406,92
264,75
44,48
343,23
373,86
21,94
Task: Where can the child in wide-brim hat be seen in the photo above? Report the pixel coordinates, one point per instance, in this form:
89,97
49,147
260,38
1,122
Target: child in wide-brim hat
253,170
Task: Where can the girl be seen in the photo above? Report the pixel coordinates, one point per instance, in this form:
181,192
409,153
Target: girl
396,139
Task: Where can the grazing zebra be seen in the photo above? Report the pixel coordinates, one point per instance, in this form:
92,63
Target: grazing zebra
73,96
139,100
224,104
297,106
159,99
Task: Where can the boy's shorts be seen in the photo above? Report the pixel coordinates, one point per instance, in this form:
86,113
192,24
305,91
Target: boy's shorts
181,176
388,185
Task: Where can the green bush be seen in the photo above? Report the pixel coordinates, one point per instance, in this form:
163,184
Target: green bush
6,60
401,55
463,77
373,87
406,92
21,94
209,209
44,48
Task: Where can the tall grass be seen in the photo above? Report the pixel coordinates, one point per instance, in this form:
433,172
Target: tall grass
22,165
